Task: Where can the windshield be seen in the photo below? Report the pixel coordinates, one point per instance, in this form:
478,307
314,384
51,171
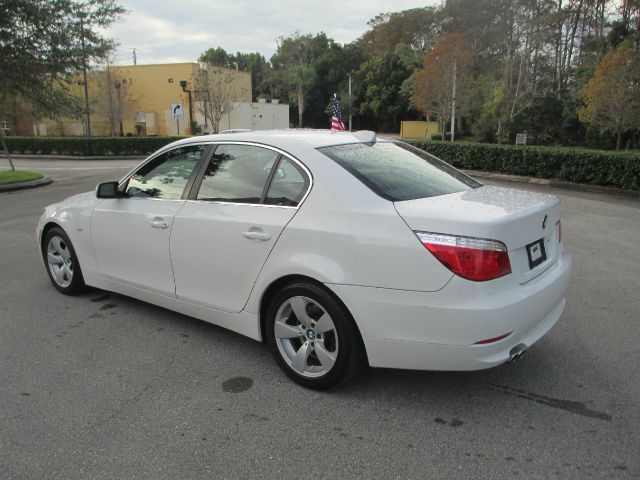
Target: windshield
398,171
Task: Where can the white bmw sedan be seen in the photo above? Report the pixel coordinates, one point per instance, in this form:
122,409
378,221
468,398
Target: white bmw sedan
337,249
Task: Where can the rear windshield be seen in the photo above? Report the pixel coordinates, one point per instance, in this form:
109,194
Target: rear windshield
398,171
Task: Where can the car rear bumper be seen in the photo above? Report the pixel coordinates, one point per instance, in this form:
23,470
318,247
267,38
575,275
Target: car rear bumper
439,330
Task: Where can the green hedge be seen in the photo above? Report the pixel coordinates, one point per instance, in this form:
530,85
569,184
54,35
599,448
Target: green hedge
593,167
97,146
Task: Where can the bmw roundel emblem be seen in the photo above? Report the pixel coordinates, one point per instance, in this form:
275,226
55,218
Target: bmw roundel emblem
544,221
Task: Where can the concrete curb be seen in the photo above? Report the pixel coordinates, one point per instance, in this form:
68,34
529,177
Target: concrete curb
21,156
581,187
11,187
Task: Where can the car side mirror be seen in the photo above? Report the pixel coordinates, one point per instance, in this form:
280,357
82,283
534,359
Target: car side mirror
108,190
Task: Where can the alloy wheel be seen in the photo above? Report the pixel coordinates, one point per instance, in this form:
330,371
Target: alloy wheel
60,261
306,336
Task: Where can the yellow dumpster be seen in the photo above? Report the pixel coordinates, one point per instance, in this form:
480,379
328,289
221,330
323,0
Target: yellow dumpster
418,130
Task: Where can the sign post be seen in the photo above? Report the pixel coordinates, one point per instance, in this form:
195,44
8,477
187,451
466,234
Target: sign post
521,139
177,112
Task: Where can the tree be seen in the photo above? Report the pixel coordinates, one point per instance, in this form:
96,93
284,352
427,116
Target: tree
612,96
43,42
217,57
294,56
215,87
113,98
254,63
418,28
379,88
443,86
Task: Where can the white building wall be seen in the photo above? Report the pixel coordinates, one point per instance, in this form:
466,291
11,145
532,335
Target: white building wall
250,116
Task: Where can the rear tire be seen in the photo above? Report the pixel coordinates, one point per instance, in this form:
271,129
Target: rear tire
313,337
61,262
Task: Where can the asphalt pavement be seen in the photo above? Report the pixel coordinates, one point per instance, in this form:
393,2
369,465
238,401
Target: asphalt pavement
104,386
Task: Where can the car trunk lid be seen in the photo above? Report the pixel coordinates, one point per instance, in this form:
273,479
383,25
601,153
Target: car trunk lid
527,223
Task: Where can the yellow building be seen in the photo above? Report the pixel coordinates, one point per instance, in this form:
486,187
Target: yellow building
139,100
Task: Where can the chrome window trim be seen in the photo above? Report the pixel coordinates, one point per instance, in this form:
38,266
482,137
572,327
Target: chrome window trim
226,142
213,202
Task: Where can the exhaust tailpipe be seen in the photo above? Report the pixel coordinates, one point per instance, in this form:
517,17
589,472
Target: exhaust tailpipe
517,352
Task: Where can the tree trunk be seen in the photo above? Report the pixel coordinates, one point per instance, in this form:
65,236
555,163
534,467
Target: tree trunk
569,49
453,100
6,150
619,140
558,51
300,104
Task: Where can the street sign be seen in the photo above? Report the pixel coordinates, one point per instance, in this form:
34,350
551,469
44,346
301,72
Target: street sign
521,139
177,111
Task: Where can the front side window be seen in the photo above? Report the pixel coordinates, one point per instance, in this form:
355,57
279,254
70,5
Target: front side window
397,171
165,176
237,173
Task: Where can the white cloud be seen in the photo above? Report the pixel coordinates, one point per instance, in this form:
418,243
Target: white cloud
180,31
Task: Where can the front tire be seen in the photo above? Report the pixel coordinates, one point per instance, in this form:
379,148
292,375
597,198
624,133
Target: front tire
61,262
313,337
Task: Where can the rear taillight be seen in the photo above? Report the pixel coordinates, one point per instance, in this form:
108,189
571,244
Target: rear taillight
476,259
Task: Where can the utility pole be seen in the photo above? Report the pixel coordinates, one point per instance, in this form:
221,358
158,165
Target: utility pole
84,74
118,85
135,60
183,84
453,100
350,104
111,109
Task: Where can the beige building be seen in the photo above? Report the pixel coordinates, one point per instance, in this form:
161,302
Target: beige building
141,100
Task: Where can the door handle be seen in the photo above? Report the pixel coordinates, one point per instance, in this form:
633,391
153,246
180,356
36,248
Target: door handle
159,222
257,235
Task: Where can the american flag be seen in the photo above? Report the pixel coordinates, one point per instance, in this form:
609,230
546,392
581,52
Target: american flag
336,119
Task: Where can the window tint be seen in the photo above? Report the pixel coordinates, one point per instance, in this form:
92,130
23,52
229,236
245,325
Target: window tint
397,171
288,186
165,176
237,173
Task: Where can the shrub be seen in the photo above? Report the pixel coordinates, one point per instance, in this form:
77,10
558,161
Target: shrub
96,146
593,167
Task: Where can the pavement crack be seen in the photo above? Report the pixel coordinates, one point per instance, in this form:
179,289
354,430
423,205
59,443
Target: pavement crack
578,408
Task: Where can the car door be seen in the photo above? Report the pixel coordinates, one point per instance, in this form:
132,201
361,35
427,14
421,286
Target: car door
130,235
222,236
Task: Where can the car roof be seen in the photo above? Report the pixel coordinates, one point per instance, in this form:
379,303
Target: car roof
282,138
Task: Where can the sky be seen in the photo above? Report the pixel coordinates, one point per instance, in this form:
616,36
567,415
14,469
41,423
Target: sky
179,31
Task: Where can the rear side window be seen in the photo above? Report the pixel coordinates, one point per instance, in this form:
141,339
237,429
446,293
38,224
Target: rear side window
288,185
397,171
237,173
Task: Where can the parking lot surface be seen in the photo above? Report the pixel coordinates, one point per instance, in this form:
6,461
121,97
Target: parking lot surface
104,386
